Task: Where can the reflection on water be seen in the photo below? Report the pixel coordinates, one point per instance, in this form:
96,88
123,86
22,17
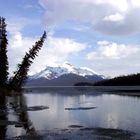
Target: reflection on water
22,115
13,117
87,108
3,116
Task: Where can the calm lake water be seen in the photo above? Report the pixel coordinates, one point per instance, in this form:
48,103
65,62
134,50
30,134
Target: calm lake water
69,108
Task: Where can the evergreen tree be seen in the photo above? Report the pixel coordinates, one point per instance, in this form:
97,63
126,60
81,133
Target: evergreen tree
3,53
21,74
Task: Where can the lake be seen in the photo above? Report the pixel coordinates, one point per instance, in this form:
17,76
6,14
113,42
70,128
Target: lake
70,113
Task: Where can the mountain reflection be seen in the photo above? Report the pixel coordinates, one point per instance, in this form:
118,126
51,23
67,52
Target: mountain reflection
27,115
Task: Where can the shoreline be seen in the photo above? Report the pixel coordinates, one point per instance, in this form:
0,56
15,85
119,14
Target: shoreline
82,133
114,90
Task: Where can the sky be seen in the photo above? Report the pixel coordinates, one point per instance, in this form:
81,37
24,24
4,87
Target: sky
103,35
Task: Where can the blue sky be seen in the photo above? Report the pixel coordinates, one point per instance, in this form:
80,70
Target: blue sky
100,34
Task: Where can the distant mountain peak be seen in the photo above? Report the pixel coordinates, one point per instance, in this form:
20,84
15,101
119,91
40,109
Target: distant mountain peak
67,64
66,68
88,69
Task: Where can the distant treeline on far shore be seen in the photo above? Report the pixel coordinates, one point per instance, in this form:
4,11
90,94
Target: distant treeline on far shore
129,80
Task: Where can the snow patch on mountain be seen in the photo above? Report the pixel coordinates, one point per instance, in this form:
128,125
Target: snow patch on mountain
66,68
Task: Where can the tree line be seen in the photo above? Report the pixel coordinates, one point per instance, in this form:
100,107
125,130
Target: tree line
129,80
20,75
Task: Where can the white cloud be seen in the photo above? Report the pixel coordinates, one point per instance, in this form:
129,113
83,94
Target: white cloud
77,10
118,17
115,59
16,24
122,5
17,47
135,3
57,51
54,51
111,50
16,40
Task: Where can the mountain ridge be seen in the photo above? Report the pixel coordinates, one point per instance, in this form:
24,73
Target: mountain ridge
64,75
54,72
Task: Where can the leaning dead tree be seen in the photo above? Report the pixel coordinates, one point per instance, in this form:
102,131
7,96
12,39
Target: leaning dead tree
21,74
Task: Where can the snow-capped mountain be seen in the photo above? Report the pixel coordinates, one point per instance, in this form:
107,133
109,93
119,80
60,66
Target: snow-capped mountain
63,75
66,68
